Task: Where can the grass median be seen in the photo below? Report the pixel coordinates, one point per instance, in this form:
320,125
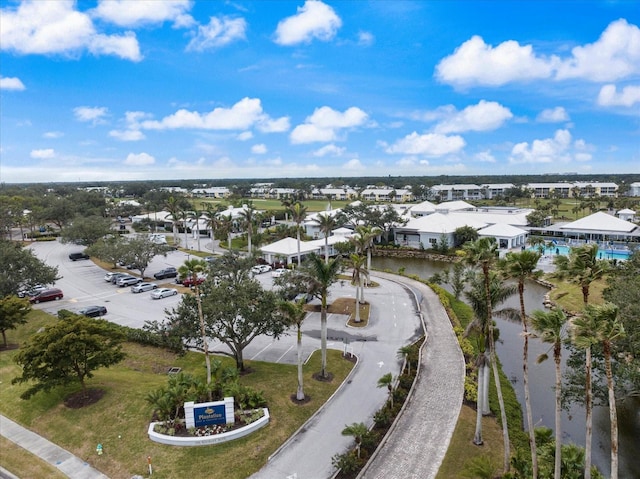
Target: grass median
120,419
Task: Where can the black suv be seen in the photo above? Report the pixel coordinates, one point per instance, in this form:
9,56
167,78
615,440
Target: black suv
77,256
166,273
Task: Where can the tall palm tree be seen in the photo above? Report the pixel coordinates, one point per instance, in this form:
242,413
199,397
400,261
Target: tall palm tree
173,207
249,216
583,267
475,294
522,267
359,273
368,234
298,214
224,226
327,224
192,268
551,328
295,314
195,214
600,325
484,252
322,275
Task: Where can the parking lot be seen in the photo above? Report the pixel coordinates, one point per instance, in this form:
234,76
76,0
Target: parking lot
83,285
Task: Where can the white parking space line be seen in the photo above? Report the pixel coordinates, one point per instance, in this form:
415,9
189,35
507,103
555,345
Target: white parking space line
263,349
285,353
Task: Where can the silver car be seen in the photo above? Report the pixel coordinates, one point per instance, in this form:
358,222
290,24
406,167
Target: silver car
163,293
142,287
128,281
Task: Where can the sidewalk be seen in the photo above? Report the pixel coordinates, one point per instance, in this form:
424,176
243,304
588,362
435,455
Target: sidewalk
67,463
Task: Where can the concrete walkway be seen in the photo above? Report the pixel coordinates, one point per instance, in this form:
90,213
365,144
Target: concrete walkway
419,441
67,463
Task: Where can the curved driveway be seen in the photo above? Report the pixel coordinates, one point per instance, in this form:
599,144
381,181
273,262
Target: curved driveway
421,438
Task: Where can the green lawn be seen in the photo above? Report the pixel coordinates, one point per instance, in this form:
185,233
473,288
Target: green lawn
120,419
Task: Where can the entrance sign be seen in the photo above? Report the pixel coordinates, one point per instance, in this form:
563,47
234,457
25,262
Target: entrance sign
208,413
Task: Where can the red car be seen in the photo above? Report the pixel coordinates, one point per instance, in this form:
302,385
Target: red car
51,294
190,281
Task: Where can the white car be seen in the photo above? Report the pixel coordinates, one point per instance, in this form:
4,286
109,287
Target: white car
276,273
142,287
261,268
163,293
128,281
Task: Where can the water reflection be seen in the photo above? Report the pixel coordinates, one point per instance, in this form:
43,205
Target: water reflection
542,379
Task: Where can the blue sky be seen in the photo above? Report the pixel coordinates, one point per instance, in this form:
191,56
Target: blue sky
159,89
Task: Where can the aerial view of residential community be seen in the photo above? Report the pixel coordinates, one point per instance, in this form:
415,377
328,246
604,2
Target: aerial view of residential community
313,239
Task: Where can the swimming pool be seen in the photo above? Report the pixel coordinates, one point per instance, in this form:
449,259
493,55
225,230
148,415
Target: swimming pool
602,253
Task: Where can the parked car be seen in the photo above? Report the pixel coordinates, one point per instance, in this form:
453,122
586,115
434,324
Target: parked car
108,276
128,281
77,256
190,281
114,279
163,293
31,291
276,273
51,294
93,311
211,259
306,297
261,268
142,287
166,273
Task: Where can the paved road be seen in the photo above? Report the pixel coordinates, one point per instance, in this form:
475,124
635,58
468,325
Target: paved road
417,445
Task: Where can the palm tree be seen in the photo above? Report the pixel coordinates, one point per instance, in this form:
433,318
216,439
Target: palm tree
359,272
327,224
404,352
367,235
581,267
484,252
475,295
224,225
298,214
599,325
195,214
322,275
608,329
387,381
174,208
358,430
248,216
192,268
550,327
521,267
295,315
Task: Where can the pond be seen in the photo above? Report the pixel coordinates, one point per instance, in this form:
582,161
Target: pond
542,379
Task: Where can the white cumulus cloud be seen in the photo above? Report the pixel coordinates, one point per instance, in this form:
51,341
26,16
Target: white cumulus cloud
219,32
485,116
329,150
270,125
476,63
241,116
126,13
323,124
431,144
353,165
56,27
615,55
543,151
259,149
140,159
90,114
53,134
314,19
245,135
365,39
553,115
127,135
43,154
11,83
628,96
